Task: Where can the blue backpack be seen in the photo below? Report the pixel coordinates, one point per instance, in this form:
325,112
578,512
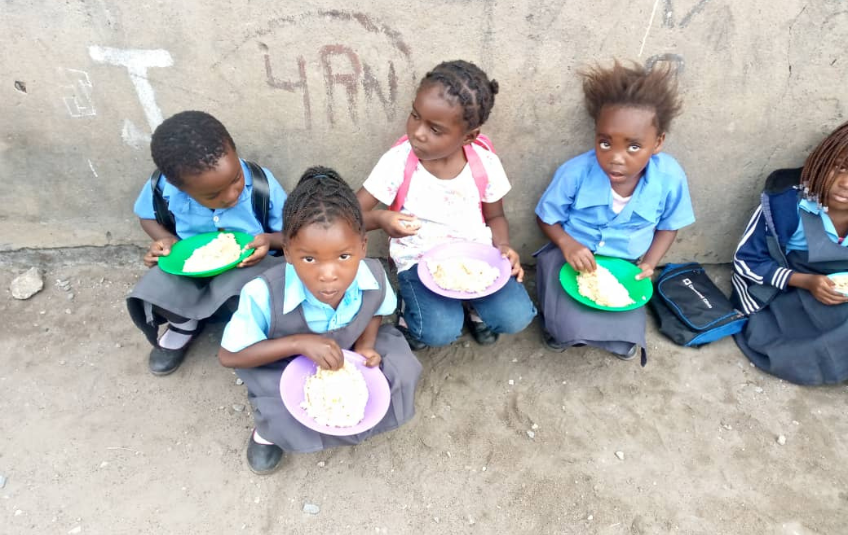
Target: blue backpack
690,308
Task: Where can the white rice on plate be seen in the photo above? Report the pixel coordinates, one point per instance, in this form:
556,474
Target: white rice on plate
336,398
841,282
463,274
603,288
223,250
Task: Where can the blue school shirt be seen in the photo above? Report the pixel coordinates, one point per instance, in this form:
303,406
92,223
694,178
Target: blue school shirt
192,218
251,322
580,199
798,241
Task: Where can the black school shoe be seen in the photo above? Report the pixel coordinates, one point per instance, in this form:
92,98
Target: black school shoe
263,459
551,343
414,343
481,333
631,354
164,361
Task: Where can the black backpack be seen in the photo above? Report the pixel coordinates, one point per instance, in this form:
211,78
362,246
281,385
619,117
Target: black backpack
261,199
690,308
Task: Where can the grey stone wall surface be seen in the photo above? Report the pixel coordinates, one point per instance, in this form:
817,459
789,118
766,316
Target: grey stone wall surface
318,82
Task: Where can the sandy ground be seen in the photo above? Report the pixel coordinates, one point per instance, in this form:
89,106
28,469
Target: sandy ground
92,443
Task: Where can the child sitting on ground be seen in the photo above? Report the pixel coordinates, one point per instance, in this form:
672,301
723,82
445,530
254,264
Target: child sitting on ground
202,186
444,187
798,324
327,297
624,199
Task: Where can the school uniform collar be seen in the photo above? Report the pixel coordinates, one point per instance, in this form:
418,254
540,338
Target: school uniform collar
296,293
810,206
181,202
814,208
596,190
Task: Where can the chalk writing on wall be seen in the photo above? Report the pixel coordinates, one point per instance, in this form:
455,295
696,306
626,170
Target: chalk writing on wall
668,13
675,60
343,63
77,97
137,62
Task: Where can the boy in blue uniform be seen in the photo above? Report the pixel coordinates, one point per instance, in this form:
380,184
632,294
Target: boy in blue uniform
625,199
205,187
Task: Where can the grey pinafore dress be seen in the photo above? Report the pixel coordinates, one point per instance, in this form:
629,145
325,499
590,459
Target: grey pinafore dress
402,370
571,323
796,337
160,296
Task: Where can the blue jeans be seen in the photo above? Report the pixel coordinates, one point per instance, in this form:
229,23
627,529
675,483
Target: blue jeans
437,320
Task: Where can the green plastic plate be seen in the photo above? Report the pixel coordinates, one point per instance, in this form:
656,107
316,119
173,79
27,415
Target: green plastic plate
640,290
173,263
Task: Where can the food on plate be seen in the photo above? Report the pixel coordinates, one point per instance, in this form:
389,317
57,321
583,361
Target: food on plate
841,282
412,224
603,288
463,274
336,398
219,252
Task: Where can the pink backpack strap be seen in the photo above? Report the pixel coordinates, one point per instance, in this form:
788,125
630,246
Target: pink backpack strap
408,169
478,171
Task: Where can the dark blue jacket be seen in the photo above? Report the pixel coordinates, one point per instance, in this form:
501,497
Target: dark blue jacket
759,264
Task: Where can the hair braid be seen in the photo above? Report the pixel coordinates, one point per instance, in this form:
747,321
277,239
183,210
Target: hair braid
321,197
469,85
818,173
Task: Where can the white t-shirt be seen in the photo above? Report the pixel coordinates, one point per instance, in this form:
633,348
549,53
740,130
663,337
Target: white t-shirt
448,210
619,202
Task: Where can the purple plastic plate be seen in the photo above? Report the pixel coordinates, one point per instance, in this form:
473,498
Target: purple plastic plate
294,378
476,251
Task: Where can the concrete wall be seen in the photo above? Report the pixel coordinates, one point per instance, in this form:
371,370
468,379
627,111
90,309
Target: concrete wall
301,83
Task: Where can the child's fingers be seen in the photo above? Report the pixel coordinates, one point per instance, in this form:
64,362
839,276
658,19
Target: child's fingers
334,355
250,260
585,263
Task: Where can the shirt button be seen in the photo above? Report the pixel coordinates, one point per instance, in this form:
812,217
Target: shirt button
215,219
601,243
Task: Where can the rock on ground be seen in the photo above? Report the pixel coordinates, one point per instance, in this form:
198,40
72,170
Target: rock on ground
28,284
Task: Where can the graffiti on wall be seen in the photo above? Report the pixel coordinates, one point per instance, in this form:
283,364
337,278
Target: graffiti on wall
77,88
137,62
336,66
676,61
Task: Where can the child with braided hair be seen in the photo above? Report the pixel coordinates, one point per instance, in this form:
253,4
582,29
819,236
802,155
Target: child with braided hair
798,321
327,297
436,197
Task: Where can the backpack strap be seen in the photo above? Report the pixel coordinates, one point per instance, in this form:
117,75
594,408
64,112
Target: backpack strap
478,171
160,206
261,197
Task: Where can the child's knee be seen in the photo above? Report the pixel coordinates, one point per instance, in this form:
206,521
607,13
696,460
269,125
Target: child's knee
443,335
437,329
517,319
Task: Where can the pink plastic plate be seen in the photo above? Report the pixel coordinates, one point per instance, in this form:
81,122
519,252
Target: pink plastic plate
294,378
476,251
